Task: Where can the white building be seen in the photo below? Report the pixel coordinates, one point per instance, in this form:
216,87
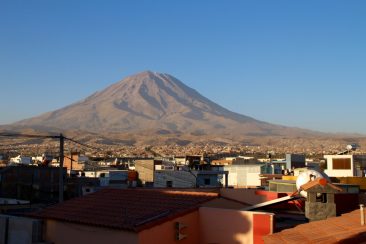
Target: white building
109,177
345,165
243,175
21,160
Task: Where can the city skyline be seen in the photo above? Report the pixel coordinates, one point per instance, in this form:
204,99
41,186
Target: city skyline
294,64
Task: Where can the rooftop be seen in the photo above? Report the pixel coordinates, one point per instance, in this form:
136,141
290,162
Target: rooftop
128,209
344,229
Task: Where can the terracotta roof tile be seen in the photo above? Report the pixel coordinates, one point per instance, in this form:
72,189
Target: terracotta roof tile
129,209
319,181
333,230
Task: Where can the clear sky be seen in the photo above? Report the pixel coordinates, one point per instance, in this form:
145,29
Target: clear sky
295,63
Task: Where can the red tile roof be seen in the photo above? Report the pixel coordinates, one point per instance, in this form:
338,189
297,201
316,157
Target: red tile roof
129,209
344,229
319,181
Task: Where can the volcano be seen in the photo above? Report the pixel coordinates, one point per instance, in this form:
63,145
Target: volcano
158,103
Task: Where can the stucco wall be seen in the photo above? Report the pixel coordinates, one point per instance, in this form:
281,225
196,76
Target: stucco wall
228,226
225,226
242,175
165,233
68,233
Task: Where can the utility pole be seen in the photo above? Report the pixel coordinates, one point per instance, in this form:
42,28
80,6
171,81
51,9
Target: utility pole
61,173
71,160
62,154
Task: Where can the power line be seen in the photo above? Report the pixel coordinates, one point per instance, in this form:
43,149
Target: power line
82,144
21,135
61,162
28,135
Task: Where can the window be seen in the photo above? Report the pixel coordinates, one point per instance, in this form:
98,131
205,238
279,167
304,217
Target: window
322,197
341,163
207,182
169,183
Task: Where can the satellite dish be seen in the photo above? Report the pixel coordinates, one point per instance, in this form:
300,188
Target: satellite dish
351,147
306,176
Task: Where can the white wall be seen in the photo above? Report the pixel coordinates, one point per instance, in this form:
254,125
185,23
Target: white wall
338,172
243,175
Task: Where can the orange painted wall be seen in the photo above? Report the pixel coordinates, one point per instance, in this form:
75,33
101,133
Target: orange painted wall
225,226
233,226
75,165
63,232
165,233
206,225
68,233
262,226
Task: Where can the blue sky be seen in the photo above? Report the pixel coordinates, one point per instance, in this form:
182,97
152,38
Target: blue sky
295,63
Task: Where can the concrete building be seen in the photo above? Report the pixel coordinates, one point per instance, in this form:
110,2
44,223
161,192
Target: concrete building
20,230
234,160
153,216
75,161
175,179
145,169
37,184
189,179
243,175
294,161
21,160
109,177
345,165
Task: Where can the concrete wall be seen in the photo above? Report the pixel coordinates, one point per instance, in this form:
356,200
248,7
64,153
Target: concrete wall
206,225
39,184
185,179
242,175
166,232
68,233
3,228
14,230
233,226
213,180
295,161
145,169
179,179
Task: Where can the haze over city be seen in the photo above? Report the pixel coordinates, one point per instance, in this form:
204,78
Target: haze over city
288,63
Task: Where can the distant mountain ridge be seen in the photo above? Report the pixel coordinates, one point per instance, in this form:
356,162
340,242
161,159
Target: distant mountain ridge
154,103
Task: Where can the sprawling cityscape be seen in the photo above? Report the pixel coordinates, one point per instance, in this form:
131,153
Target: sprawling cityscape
171,184
256,134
